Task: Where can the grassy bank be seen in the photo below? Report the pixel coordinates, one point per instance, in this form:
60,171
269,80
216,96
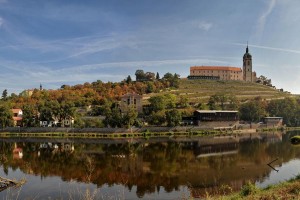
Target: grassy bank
285,190
145,134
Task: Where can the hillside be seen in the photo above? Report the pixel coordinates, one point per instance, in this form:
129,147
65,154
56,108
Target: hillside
201,90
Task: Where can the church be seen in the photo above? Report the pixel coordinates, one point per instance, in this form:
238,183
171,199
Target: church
226,72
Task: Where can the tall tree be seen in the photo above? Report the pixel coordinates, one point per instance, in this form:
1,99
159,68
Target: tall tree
6,116
4,94
30,117
157,76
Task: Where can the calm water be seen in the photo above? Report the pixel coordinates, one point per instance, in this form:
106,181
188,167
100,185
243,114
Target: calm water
158,168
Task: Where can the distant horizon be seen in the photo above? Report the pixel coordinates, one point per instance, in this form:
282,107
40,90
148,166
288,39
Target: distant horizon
65,43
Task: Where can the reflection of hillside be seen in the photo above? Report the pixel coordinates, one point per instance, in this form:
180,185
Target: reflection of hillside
151,165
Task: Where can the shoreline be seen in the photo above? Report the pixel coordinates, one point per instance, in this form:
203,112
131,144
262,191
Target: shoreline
145,132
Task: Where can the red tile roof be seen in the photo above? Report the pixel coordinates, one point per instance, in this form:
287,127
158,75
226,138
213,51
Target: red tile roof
224,68
16,110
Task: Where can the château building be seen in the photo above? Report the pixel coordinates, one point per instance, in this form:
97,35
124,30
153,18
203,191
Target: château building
225,72
216,73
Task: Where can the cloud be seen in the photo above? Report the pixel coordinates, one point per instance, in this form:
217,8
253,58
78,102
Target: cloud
1,21
270,48
263,18
203,25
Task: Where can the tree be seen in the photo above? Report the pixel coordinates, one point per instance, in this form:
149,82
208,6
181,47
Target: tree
29,118
140,75
150,76
114,118
6,116
253,110
128,80
157,118
173,80
287,108
170,100
157,76
130,116
173,117
157,103
4,94
183,101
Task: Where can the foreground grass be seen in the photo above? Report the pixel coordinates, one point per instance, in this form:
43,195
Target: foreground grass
285,190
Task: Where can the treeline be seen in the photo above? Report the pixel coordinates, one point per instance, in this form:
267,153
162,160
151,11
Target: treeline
256,109
48,105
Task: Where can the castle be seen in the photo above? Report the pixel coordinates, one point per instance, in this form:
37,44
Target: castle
225,72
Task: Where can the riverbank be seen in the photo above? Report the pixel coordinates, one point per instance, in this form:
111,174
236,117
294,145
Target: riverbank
285,190
143,132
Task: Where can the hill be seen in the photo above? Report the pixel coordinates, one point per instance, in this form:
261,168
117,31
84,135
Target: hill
200,90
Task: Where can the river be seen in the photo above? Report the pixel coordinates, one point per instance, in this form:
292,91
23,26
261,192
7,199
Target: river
152,168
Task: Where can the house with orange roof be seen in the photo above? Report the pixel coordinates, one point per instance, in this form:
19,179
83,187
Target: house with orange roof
17,116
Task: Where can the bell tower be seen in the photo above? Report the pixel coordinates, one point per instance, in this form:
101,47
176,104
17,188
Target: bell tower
247,66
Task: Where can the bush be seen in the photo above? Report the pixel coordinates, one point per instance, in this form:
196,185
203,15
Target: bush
249,189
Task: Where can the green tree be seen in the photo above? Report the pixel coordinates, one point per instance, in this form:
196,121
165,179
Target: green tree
253,110
130,116
173,117
128,79
114,118
288,108
157,76
170,100
6,116
4,94
157,103
217,102
29,118
183,101
140,75
157,118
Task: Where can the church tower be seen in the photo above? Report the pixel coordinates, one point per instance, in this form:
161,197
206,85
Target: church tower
247,67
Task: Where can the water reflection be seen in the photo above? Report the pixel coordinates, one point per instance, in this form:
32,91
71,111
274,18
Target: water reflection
160,166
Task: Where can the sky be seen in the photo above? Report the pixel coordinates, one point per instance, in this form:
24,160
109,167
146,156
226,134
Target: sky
62,42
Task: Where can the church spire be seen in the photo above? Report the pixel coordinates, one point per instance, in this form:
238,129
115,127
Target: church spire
247,49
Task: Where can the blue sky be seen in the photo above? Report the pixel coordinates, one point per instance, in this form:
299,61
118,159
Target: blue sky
72,42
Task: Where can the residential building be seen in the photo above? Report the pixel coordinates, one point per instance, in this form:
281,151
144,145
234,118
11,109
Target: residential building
17,116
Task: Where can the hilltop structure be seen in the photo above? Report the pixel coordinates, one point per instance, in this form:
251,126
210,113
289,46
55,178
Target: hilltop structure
248,75
216,73
225,72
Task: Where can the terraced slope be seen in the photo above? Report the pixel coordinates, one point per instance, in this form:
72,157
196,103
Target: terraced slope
201,90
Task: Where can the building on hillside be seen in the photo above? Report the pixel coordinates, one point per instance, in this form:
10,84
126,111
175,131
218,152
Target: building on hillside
131,100
248,74
17,116
216,73
215,116
273,121
225,72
